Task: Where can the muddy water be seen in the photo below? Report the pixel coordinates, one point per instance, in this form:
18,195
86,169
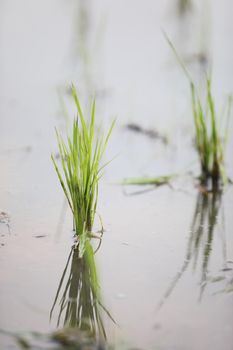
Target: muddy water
165,264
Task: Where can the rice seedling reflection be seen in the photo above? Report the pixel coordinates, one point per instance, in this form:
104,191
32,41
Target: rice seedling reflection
200,242
80,304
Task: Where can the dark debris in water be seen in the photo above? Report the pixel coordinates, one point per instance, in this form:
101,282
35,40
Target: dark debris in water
63,339
4,218
40,236
200,58
75,339
23,343
151,133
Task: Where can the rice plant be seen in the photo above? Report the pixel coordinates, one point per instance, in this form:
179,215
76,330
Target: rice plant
210,142
81,169
210,139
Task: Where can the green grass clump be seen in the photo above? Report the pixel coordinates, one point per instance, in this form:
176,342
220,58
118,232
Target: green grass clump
210,139
81,168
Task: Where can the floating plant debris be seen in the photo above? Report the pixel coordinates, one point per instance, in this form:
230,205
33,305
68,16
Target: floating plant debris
156,181
153,134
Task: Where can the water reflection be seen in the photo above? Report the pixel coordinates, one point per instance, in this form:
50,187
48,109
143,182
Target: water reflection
184,6
194,44
83,57
200,241
80,43
78,298
86,40
202,231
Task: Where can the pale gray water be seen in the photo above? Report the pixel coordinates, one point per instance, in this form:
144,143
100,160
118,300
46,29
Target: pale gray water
121,55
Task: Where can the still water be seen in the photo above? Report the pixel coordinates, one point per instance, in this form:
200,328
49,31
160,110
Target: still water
165,265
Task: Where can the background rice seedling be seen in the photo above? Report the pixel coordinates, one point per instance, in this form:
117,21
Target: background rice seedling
210,142
81,169
210,139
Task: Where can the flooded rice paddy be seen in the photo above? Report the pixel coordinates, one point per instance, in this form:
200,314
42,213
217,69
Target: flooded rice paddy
165,265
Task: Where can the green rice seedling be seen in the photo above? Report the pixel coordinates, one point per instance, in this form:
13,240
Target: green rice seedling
210,140
81,169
